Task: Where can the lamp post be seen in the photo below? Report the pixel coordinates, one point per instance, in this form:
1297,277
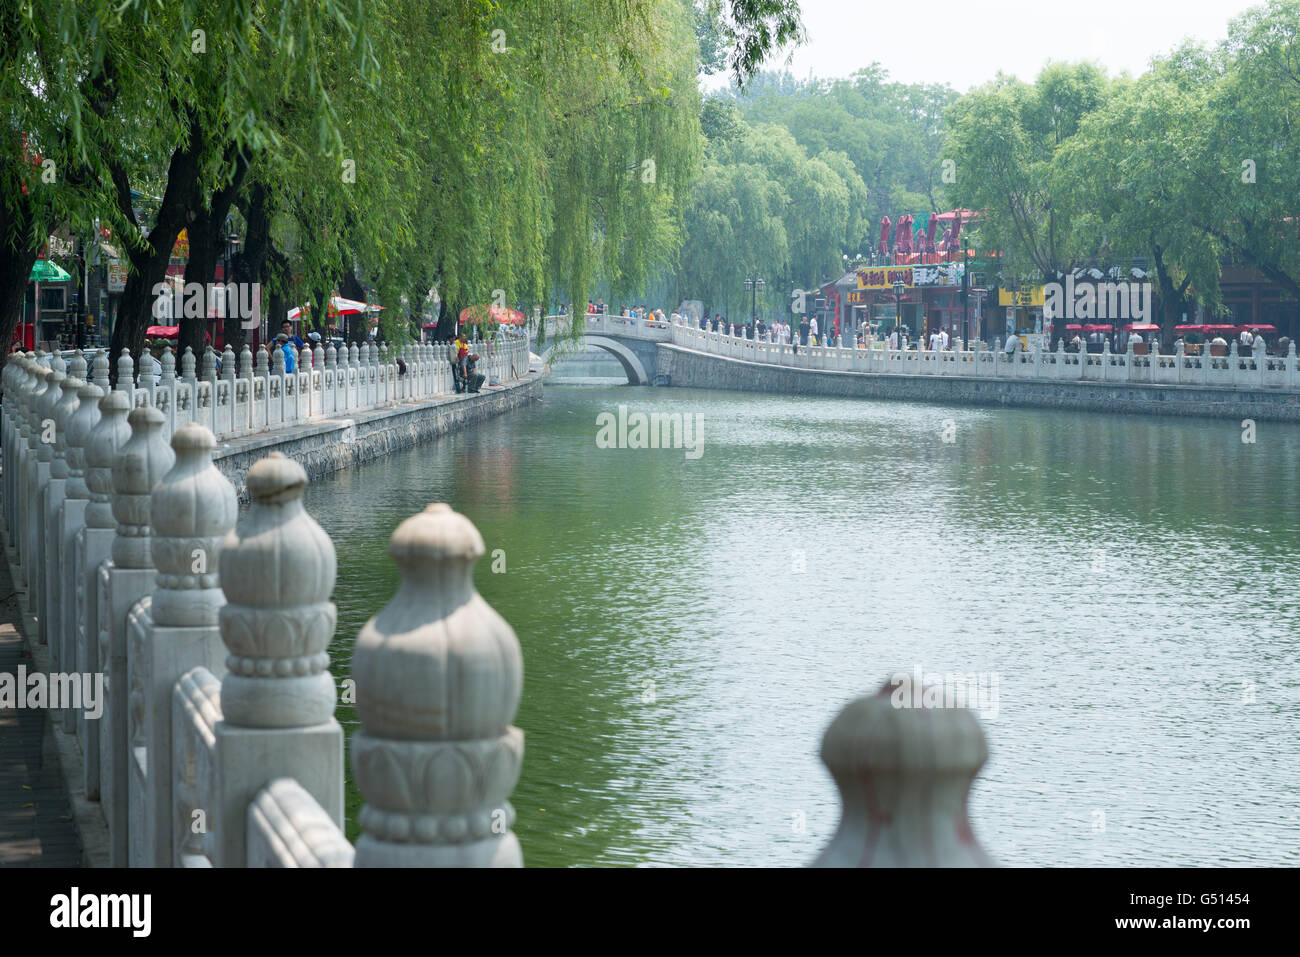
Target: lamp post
965,286
898,302
232,246
754,285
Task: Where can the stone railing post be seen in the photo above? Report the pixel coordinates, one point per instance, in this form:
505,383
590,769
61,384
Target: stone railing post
277,698
242,397
55,604
123,581
109,434
903,772
16,468
438,678
189,378
260,402
72,520
44,435
192,508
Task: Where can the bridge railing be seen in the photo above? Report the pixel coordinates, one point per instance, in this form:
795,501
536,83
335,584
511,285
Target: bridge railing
1249,370
217,743
558,326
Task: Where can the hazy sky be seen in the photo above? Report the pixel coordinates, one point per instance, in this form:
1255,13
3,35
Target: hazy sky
966,42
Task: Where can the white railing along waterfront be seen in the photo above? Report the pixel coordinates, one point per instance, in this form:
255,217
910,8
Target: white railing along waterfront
217,744
1252,370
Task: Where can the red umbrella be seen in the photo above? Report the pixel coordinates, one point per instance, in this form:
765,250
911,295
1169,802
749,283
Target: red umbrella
884,236
1074,327
1141,327
166,332
492,314
1095,327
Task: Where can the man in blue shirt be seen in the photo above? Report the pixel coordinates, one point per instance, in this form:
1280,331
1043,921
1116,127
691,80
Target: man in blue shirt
286,330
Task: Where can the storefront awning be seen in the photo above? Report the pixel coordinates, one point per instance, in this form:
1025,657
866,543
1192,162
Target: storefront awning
45,270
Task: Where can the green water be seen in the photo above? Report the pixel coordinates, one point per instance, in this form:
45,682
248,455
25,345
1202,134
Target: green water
690,627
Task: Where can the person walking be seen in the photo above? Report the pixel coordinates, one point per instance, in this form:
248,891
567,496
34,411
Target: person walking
812,329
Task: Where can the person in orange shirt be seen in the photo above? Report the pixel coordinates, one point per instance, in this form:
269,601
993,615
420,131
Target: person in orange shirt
462,360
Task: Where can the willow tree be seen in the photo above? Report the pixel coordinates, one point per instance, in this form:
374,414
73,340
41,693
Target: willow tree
1125,173
140,98
1004,138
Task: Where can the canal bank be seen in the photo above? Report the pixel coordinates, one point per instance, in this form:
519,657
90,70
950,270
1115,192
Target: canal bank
691,369
322,446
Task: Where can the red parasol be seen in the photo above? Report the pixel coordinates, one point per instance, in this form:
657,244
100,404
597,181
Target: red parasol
490,315
166,332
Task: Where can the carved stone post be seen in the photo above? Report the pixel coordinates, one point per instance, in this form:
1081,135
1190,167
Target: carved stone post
277,699
193,508
438,677
165,397
81,426
903,773
22,430
94,548
191,381
43,434
262,388
143,461
52,521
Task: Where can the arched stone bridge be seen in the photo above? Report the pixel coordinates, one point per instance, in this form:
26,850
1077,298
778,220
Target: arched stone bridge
631,341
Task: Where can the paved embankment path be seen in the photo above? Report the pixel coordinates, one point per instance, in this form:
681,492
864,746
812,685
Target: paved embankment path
36,823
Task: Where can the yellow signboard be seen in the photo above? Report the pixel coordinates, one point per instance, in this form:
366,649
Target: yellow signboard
1021,297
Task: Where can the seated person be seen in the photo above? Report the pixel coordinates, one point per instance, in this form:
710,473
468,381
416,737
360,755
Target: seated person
474,379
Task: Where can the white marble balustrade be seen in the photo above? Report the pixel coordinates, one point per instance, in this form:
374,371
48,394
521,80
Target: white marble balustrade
1251,370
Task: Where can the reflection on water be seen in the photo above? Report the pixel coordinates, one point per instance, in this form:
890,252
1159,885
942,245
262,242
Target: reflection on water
689,628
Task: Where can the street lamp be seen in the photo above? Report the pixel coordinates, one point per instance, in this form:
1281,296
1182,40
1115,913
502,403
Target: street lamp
232,247
965,286
754,285
899,286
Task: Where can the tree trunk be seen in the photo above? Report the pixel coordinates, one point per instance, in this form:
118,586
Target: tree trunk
149,263
17,257
350,288
250,263
200,269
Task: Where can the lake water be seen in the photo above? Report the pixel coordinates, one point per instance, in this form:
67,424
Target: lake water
690,627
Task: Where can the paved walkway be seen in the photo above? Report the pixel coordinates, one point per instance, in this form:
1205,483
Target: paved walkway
36,823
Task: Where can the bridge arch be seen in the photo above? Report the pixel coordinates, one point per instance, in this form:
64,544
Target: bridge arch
632,365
